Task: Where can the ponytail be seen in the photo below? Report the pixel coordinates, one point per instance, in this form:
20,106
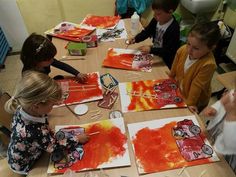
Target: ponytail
11,105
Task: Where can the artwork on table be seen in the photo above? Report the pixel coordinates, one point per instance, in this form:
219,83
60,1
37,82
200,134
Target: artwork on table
150,94
70,31
118,32
128,59
75,92
173,143
109,99
108,81
106,148
101,21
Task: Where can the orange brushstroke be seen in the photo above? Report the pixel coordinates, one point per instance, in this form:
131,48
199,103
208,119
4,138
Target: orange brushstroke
159,151
101,148
141,103
101,21
114,60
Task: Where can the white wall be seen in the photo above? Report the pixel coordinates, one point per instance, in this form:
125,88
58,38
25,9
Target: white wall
12,24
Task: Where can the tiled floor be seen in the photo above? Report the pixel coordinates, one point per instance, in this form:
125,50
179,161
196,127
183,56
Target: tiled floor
12,73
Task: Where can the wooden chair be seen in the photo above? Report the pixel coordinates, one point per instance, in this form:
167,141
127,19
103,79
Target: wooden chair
5,127
5,119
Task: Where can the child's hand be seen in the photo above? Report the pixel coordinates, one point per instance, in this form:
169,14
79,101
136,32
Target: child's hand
130,41
193,109
82,138
145,49
82,77
209,112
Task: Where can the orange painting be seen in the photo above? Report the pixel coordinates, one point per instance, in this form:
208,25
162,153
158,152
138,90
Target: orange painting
160,152
101,21
128,59
105,149
75,92
70,31
150,94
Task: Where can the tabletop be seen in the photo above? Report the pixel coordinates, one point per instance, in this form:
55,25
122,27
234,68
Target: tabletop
93,62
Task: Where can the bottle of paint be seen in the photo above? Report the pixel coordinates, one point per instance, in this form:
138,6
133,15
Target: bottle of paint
134,24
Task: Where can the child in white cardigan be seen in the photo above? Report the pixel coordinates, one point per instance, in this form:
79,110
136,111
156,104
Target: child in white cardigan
222,126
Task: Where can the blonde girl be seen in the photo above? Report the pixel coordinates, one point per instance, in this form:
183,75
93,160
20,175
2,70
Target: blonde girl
32,100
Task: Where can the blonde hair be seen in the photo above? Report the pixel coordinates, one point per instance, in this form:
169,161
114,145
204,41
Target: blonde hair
33,88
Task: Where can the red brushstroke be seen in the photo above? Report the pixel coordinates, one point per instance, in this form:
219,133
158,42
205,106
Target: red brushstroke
80,96
102,147
141,103
101,21
159,151
114,60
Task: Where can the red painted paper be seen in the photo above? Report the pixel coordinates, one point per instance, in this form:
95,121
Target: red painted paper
76,92
159,151
103,147
101,21
127,59
150,94
69,31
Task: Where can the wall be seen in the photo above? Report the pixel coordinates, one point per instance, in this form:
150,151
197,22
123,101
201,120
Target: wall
12,24
230,18
42,15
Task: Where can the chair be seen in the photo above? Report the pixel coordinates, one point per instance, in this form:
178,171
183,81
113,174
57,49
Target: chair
5,119
5,124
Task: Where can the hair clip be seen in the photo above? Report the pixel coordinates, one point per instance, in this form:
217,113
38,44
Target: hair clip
40,46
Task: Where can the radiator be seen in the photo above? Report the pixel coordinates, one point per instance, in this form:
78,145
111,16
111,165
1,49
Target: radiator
4,48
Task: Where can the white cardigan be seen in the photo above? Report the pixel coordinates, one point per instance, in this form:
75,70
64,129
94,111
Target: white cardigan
225,142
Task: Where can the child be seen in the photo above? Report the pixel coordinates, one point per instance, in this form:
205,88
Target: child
163,29
222,126
194,65
38,54
33,99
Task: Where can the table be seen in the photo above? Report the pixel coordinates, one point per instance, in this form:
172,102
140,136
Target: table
62,116
228,80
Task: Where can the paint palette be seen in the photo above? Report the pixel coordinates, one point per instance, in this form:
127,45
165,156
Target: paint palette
81,109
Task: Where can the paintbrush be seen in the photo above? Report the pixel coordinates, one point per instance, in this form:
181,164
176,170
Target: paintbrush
127,43
94,133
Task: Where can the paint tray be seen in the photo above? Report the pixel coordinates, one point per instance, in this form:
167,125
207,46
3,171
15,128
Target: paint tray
77,49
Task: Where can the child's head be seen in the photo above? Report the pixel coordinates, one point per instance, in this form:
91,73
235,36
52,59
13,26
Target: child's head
37,52
202,39
36,93
163,9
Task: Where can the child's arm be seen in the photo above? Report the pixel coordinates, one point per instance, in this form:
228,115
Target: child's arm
67,68
147,32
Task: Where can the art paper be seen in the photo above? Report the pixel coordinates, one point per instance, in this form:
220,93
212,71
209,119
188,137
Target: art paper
128,59
160,151
70,31
101,21
105,149
75,92
119,32
109,99
150,94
